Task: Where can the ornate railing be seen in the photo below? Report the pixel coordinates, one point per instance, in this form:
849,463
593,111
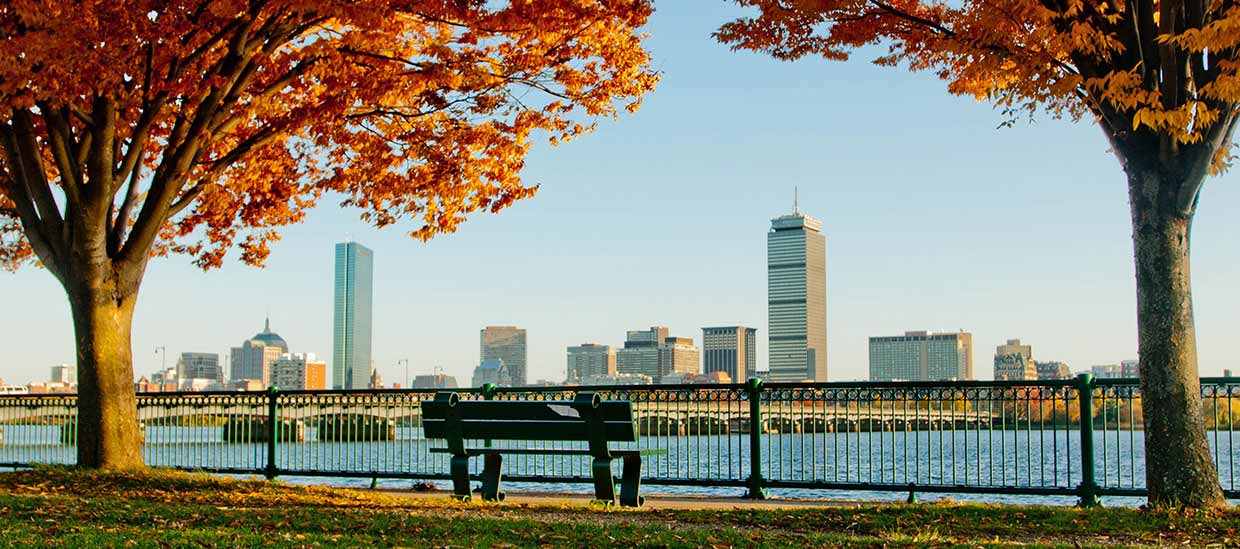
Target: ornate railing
979,437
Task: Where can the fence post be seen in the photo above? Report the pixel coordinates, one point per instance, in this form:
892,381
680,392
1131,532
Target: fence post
756,484
488,393
273,432
1088,490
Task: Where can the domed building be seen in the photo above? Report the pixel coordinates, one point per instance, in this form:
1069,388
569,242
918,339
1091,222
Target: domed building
270,339
252,361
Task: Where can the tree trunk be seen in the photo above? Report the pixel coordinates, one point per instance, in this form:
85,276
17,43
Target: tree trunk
108,435
1179,470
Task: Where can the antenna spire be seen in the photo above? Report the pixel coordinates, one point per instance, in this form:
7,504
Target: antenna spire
796,200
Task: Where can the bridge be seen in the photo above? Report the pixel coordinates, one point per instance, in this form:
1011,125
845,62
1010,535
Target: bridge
244,418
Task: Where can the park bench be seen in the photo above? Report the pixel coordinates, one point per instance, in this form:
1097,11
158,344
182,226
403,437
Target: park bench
587,418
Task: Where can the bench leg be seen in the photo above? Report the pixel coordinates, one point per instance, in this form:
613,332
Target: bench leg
631,485
460,477
604,483
492,472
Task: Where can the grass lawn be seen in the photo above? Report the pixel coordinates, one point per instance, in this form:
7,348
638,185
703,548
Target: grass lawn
67,508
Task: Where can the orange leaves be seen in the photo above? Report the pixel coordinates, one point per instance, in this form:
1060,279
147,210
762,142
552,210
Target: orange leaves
414,111
1067,58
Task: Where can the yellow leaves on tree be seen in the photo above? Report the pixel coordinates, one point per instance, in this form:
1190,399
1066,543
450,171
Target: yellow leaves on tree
193,125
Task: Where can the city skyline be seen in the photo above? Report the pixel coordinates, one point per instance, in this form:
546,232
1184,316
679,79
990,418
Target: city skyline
631,231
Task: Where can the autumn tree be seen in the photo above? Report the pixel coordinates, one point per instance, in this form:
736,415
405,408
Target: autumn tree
138,128
1160,77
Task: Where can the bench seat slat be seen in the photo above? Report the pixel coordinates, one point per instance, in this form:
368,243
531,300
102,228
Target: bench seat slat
551,451
478,429
558,410
526,451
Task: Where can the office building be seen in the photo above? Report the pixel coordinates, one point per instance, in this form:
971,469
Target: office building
730,349
797,298
64,374
493,371
299,371
353,315
199,366
434,381
590,359
922,356
1107,371
679,355
654,336
1052,370
1130,368
1014,362
253,359
506,343
654,354
640,354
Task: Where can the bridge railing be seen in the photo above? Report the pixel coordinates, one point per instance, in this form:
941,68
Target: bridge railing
988,437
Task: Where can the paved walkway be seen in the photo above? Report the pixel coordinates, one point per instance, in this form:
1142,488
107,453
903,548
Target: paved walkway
653,501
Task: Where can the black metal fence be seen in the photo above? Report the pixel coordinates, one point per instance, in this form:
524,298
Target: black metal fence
1080,437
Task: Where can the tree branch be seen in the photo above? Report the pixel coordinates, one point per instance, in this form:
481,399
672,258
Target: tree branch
34,176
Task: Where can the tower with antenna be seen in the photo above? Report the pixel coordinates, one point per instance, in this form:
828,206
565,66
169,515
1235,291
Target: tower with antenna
797,296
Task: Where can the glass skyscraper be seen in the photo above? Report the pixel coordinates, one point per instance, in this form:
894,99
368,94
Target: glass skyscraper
353,316
797,298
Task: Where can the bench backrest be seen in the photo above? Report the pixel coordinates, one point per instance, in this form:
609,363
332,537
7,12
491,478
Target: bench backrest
587,418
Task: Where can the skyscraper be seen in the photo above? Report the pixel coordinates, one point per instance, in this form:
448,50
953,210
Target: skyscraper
352,316
921,356
796,252
731,349
506,343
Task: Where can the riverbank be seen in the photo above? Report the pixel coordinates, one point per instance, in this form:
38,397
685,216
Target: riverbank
63,507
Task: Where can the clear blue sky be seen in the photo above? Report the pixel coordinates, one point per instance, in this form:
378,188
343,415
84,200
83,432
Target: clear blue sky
934,218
